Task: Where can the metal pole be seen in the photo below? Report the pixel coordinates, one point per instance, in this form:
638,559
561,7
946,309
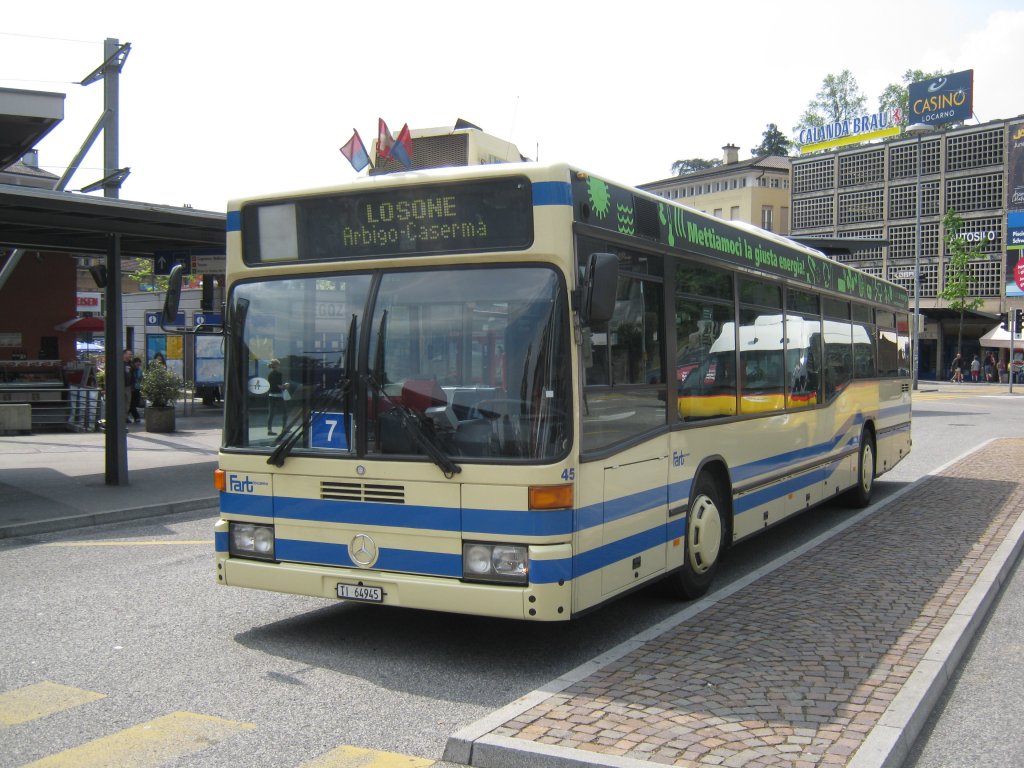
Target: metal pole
1010,318
915,333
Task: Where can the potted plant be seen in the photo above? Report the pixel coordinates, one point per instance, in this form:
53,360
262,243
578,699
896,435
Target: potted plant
161,387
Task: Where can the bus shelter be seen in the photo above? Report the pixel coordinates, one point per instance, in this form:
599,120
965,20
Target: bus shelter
45,221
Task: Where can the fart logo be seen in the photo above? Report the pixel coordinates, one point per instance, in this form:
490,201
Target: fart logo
240,484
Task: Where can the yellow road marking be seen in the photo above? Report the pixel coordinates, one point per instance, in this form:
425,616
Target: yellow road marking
40,700
127,543
355,757
148,744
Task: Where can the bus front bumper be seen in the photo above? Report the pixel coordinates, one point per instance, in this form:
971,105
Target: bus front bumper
534,602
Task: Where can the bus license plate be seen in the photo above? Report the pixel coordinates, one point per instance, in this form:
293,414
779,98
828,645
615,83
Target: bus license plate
366,594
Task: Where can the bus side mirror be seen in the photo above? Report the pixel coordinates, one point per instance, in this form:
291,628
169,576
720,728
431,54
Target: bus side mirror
173,297
599,287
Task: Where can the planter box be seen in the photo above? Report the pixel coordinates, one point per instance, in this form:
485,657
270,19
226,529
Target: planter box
159,418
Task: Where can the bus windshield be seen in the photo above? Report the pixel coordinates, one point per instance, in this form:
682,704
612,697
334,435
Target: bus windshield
471,364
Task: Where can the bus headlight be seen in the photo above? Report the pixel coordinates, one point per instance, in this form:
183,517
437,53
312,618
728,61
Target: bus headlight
251,540
505,563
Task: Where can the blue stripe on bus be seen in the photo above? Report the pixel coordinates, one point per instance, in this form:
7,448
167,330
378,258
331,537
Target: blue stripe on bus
233,223
550,571
360,513
246,504
220,541
597,558
552,193
400,560
775,464
556,522
624,506
894,411
777,491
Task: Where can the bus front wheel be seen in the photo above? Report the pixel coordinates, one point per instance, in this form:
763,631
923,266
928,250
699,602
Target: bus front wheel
705,535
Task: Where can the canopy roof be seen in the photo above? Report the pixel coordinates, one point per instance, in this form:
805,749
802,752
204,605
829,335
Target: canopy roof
43,220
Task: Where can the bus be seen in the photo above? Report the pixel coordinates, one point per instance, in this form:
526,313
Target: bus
523,391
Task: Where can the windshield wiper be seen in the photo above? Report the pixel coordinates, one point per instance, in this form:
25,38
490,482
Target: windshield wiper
419,429
292,433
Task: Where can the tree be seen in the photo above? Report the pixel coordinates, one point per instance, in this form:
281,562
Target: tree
773,142
144,275
957,287
683,167
839,98
895,94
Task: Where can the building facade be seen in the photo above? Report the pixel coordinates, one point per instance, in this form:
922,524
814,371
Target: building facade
755,191
871,191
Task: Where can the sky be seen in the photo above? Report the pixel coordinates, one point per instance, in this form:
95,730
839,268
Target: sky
224,99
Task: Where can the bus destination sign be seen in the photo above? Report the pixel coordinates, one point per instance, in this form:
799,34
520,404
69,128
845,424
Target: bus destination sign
452,217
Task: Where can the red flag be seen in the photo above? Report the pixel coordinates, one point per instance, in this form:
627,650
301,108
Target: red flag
385,141
402,150
356,152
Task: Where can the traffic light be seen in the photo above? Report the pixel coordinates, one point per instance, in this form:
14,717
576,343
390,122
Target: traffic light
1018,322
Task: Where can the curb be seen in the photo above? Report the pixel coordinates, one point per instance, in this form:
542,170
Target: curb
889,741
89,519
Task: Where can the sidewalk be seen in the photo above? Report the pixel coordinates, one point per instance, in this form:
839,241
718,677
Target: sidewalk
834,656
55,480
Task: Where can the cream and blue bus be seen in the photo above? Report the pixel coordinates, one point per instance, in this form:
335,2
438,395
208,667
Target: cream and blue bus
523,391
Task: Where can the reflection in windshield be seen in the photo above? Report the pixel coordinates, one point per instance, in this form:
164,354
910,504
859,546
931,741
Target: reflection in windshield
458,364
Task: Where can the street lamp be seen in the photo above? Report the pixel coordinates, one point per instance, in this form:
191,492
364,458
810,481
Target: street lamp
919,129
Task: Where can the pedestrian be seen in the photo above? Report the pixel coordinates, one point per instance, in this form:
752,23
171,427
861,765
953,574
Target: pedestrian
158,359
990,369
275,396
975,368
957,368
1001,368
128,373
136,398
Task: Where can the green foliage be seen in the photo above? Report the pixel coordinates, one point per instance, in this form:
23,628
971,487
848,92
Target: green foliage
144,276
957,288
895,94
160,385
683,167
838,99
773,142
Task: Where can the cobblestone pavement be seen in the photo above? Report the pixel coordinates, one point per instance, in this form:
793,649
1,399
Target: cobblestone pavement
804,666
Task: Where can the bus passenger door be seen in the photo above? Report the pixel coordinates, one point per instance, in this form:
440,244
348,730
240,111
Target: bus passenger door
635,512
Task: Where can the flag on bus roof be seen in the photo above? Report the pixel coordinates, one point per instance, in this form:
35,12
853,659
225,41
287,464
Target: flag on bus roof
356,152
402,150
385,141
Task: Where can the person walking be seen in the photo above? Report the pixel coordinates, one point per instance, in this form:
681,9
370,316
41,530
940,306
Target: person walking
975,368
275,396
958,369
136,397
128,372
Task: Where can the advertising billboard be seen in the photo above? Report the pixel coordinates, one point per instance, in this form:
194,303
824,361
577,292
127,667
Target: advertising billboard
944,99
1015,212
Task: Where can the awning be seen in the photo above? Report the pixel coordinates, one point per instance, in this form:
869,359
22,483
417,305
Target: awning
81,325
1000,337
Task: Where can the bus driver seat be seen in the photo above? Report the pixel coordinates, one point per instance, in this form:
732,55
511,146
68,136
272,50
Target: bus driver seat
420,394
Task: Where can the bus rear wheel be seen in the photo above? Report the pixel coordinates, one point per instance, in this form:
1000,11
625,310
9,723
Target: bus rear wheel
705,538
860,495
